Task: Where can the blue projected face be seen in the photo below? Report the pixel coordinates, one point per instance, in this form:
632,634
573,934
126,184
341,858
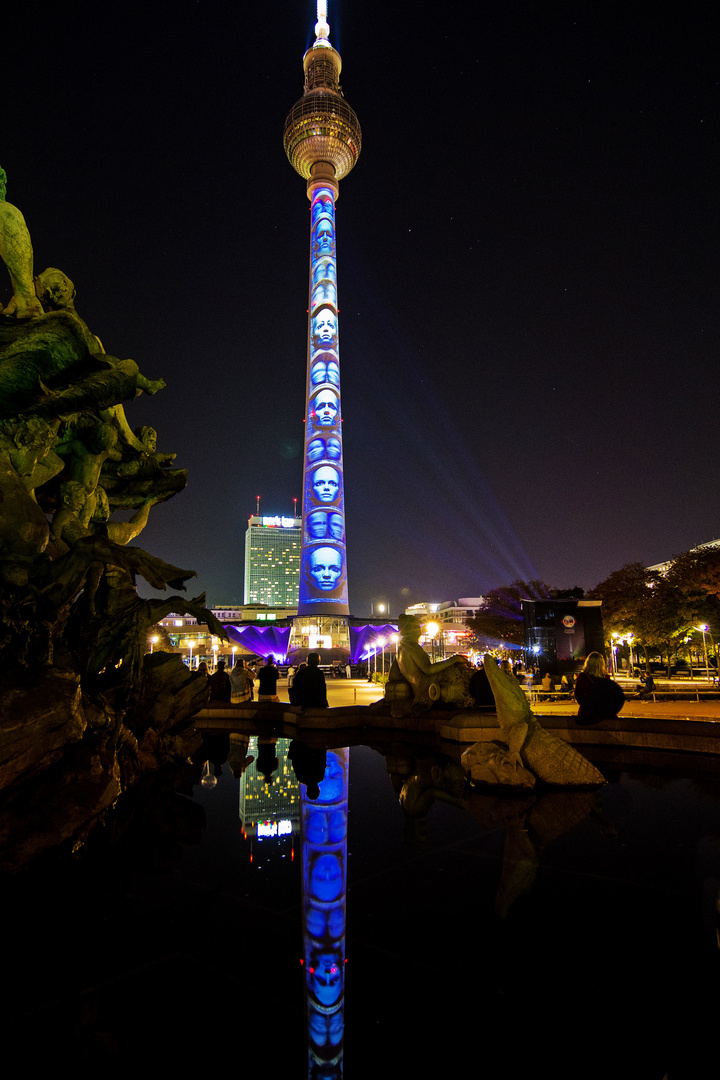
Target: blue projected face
322,923
325,270
324,577
324,293
317,525
333,449
325,369
337,526
326,1029
324,239
316,449
326,879
325,408
326,565
324,329
326,484
323,204
326,979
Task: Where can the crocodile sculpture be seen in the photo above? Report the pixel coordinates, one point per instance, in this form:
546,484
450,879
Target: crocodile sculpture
530,748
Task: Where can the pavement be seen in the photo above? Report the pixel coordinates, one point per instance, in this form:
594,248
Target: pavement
344,692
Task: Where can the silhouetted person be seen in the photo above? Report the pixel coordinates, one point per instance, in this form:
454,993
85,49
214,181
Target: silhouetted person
309,686
479,690
220,689
267,685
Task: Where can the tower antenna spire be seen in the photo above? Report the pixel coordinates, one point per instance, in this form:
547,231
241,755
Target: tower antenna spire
322,30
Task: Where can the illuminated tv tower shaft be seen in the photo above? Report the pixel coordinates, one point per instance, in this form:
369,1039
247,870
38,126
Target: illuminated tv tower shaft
322,141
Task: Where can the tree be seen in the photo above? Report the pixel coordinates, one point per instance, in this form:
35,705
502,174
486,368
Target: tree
643,603
501,618
163,643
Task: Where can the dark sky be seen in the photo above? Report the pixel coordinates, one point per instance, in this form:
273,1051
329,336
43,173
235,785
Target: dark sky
527,266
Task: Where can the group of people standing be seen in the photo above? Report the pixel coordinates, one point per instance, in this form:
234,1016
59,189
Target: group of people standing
306,685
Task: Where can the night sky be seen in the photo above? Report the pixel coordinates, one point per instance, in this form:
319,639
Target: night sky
527,272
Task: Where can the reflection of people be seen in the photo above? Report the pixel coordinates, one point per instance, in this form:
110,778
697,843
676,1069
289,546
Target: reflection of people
326,484
325,568
324,328
325,408
309,688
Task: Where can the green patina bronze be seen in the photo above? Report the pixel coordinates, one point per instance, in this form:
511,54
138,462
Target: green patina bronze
69,461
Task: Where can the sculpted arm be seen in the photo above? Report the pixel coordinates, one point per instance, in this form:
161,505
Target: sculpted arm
423,662
17,254
122,532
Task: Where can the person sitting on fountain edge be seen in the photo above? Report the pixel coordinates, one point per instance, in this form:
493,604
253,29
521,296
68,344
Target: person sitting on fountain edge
309,689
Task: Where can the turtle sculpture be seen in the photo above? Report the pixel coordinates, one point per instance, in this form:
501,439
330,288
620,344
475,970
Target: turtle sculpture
528,751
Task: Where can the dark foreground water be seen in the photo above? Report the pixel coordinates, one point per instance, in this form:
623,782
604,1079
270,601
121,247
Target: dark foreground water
568,935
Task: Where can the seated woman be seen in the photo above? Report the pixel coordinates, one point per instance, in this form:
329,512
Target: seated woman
599,697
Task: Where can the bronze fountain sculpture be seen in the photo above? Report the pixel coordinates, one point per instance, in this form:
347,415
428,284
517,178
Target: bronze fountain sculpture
77,682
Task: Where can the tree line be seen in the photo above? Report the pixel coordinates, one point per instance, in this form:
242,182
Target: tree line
662,611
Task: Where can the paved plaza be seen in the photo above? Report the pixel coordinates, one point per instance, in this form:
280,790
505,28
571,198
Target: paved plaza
344,692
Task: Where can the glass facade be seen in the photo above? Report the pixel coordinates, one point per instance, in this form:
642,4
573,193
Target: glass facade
272,561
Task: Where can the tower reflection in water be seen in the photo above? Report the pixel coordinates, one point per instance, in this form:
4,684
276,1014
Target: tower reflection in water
324,836
269,805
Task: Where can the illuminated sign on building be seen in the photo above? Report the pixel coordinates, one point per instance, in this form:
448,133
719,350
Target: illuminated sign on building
278,522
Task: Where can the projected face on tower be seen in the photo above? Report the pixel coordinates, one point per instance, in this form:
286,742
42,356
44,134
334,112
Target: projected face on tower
325,369
326,484
324,238
324,329
326,408
326,567
323,581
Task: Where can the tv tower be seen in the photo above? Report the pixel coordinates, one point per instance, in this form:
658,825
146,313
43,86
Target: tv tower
322,140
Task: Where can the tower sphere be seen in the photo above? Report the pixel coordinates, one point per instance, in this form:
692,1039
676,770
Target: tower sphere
321,126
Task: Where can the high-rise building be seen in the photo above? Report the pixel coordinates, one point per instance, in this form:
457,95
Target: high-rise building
322,141
272,561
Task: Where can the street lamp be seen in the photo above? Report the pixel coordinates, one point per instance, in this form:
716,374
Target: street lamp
432,629
704,629
381,643
153,642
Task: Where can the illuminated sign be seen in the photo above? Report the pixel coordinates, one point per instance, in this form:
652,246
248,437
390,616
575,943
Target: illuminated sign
323,570
273,827
278,522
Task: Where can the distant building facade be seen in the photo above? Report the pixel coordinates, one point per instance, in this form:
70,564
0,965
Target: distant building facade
272,561
559,634
663,567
